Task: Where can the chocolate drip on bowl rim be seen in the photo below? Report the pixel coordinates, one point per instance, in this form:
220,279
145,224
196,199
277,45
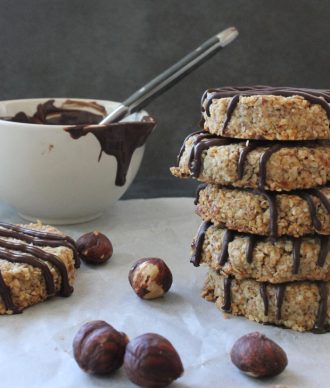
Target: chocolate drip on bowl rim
119,140
71,112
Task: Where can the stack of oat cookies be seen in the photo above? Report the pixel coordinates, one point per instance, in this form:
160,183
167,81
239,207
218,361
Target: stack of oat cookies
264,158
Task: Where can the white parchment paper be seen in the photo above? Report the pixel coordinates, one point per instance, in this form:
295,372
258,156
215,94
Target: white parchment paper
36,346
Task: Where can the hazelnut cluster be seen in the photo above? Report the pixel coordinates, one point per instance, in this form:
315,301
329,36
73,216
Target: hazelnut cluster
150,360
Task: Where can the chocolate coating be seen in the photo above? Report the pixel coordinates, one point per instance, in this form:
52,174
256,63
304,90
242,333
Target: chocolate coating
152,361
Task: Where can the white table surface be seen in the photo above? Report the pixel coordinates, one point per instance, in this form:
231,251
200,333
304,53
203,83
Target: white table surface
36,346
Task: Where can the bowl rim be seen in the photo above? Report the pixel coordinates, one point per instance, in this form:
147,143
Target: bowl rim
57,99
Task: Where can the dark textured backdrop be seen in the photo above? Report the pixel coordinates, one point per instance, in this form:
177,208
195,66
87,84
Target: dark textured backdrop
108,48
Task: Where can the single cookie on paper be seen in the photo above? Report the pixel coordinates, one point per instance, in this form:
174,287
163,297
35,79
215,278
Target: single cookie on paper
36,262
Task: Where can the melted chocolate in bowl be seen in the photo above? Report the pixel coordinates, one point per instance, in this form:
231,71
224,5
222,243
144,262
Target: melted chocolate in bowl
118,139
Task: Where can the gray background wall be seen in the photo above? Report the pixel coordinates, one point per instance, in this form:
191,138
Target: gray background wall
108,48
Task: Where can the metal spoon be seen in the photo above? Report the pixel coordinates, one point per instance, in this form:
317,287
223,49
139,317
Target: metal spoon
171,76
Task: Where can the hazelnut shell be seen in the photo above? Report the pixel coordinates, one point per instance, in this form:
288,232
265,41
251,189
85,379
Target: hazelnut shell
258,356
150,278
94,248
98,348
151,361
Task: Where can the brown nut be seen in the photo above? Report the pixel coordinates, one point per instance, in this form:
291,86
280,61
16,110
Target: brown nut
150,278
258,356
151,361
98,348
94,248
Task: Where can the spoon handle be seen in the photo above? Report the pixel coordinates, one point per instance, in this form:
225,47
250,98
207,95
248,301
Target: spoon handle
172,75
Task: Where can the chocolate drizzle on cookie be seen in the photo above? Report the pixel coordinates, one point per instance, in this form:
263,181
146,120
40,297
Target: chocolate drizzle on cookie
324,249
320,97
323,307
252,240
198,190
6,297
197,245
264,296
204,141
296,245
227,294
227,238
279,298
320,324
249,147
39,238
29,253
271,198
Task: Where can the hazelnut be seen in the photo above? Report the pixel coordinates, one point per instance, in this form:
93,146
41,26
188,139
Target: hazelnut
258,356
150,278
94,248
151,361
98,348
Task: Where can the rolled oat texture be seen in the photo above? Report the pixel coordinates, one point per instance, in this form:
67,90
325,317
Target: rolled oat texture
301,306
266,213
271,166
36,262
267,113
260,258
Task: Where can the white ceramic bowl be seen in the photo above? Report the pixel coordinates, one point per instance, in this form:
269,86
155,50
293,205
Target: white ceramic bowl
47,175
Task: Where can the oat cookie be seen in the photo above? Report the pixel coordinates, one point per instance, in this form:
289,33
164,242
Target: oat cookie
254,164
36,262
263,112
300,306
248,256
266,213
